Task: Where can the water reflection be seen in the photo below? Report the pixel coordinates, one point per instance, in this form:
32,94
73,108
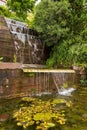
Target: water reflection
77,114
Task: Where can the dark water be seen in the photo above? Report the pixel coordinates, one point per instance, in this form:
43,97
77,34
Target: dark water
76,114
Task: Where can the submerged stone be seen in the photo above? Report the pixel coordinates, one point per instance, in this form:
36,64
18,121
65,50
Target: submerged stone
84,116
3,117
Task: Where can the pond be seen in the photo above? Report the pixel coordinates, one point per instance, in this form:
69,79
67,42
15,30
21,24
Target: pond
75,114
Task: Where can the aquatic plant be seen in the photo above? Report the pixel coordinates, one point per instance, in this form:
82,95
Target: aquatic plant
15,58
1,59
31,74
41,113
83,82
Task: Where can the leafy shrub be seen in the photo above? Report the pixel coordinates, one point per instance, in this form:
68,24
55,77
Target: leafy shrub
1,59
83,82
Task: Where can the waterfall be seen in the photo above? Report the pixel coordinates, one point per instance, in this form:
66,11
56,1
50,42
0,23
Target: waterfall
29,49
48,80
61,79
42,84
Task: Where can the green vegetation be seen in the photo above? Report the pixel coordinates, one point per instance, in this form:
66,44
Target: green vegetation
41,113
63,26
71,112
33,113
1,59
17,10
21,8
83,82
4,11
31,74
15,58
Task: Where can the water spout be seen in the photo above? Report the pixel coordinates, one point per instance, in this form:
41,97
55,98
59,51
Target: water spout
52,78
66,92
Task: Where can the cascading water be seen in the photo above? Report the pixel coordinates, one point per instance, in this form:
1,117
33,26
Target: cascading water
29,49
61,80
42,84
47,80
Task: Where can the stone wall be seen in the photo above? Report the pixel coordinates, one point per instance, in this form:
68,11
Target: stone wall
7,48
15,83
19,43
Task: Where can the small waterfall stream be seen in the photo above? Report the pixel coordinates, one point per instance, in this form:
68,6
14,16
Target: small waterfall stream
42,84
61,82
53,81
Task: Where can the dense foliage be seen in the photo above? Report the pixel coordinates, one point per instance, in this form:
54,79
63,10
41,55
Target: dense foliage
4,11
17,9
83,82
63,26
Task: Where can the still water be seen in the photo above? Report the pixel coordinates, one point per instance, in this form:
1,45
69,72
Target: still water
76,114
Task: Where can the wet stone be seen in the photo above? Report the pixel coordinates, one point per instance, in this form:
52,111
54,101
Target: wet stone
4,117
84,116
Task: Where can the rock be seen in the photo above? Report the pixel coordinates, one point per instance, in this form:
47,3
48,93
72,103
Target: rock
4,117
84,116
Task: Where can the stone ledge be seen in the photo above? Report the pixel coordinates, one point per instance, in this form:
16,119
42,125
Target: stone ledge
10,65
40,70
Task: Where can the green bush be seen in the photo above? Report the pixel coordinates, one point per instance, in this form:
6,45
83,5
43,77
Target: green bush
83,82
